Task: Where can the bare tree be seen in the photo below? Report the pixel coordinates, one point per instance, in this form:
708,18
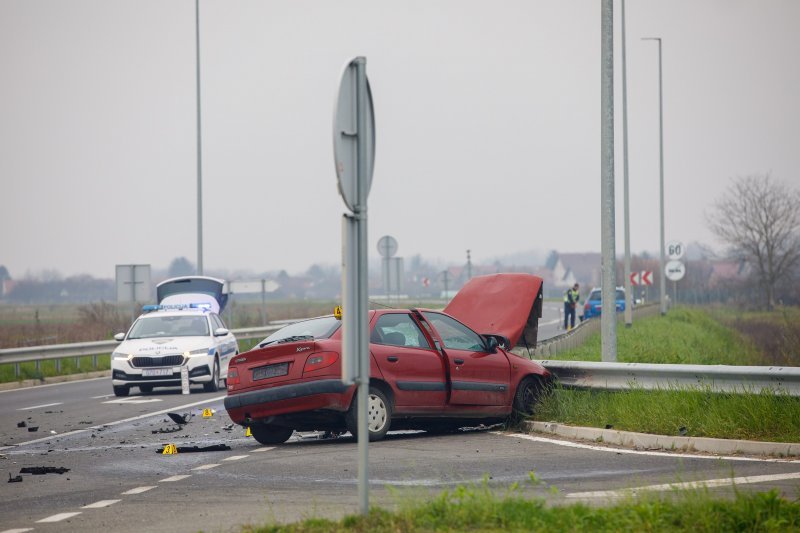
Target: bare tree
760,219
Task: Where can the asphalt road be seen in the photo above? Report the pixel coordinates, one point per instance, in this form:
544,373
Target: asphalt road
118,482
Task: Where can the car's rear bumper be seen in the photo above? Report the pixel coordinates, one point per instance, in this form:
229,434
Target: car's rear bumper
285,399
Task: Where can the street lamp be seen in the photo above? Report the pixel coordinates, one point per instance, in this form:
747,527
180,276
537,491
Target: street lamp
662,280
199,152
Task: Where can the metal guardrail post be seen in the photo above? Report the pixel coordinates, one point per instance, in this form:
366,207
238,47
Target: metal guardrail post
58,366
94,362
16,370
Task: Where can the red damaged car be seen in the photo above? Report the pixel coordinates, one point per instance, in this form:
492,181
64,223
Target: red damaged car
430,370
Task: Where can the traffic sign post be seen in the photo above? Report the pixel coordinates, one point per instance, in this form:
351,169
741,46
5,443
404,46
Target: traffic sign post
354,156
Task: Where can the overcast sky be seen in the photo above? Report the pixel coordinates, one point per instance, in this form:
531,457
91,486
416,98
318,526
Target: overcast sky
487,121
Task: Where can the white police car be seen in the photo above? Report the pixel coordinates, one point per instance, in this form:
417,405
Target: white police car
183,330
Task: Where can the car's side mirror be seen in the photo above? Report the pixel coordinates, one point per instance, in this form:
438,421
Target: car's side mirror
119,337
221,332
491,344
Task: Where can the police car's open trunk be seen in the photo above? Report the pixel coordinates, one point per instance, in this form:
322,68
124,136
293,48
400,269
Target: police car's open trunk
193,290
501,304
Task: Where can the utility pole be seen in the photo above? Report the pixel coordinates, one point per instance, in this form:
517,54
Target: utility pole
469,266
445,276
626,197
199,145
608,319
662,275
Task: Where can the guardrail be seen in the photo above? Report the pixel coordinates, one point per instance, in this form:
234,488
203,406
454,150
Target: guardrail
80,349
717,378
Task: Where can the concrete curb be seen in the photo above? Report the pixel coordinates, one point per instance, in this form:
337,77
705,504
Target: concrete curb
646,441
24,384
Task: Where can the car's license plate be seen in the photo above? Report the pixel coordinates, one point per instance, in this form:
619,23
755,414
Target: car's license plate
271,371
148,372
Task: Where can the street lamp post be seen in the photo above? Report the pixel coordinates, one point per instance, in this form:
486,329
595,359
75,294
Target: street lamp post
627,279
662,275
199,145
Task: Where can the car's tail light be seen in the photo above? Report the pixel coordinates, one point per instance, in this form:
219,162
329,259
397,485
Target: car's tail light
320,360
586,306
233,377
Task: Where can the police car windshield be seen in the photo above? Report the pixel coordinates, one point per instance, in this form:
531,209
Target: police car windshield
316,328
152,327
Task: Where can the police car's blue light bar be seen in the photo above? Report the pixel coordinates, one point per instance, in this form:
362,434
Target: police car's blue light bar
203,306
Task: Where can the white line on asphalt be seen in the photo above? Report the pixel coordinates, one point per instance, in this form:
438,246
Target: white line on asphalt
101,396
134,400
137,490
39,406
175,478
57,517
235,457
709,483
570,444
18,530
268,448
52,385
115,423
100,504
206,467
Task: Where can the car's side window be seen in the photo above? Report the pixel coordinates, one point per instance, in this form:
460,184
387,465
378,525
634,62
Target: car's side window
398,329
217,322
454,334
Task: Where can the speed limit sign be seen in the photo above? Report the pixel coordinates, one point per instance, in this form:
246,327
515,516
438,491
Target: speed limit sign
675,250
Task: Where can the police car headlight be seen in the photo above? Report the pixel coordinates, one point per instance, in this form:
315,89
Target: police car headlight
201,351
119,356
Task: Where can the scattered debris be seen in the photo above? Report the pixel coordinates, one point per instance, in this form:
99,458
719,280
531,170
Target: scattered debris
22,424
609,426
682,431
166,430
53,432
229,427
33,428
193,449
86,422
17,479
42,470
179,419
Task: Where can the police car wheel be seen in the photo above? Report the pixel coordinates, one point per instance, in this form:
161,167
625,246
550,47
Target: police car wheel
121,391
213,385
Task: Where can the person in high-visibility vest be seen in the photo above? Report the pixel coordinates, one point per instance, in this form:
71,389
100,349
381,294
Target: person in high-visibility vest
571,299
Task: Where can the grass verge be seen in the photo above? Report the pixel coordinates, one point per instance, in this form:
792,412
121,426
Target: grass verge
49,368
776,334
478,508
682,336
764,416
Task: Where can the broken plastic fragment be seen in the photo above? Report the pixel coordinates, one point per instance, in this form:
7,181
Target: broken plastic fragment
17,479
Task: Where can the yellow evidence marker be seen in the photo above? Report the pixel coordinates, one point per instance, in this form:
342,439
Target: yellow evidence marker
337,312
170,449
247,432
207,413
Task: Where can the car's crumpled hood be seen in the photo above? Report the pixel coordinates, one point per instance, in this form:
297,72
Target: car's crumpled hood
162,345
505,304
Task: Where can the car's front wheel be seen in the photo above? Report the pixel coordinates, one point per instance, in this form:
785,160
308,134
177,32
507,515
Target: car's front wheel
379,415
267,434
213,385
529,391
122,390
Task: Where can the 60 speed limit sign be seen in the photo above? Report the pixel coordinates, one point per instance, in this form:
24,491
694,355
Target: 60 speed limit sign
675,250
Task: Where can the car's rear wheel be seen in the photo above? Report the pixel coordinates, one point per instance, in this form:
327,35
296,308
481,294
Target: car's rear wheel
213,385
146,389
122,390
379,415
529,391
267,434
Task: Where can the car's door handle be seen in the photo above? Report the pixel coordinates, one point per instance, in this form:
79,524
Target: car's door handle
458,361
392,358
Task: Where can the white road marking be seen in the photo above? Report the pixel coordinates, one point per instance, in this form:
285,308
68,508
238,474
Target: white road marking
235,457
137,490
206,467
710,483
570,444
40,406
117,422
134,400
100,504
268,448
57,517
175,478
18,530
101,396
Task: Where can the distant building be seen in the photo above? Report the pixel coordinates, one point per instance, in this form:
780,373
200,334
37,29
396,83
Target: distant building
569,268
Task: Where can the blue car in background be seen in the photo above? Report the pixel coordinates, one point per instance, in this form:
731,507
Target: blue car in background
594,304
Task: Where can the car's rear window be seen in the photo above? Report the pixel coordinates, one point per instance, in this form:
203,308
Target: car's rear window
596,295
316,328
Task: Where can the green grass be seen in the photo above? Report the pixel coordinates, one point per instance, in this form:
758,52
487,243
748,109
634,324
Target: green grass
683,336
48,368
776,334
479,508
764,416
